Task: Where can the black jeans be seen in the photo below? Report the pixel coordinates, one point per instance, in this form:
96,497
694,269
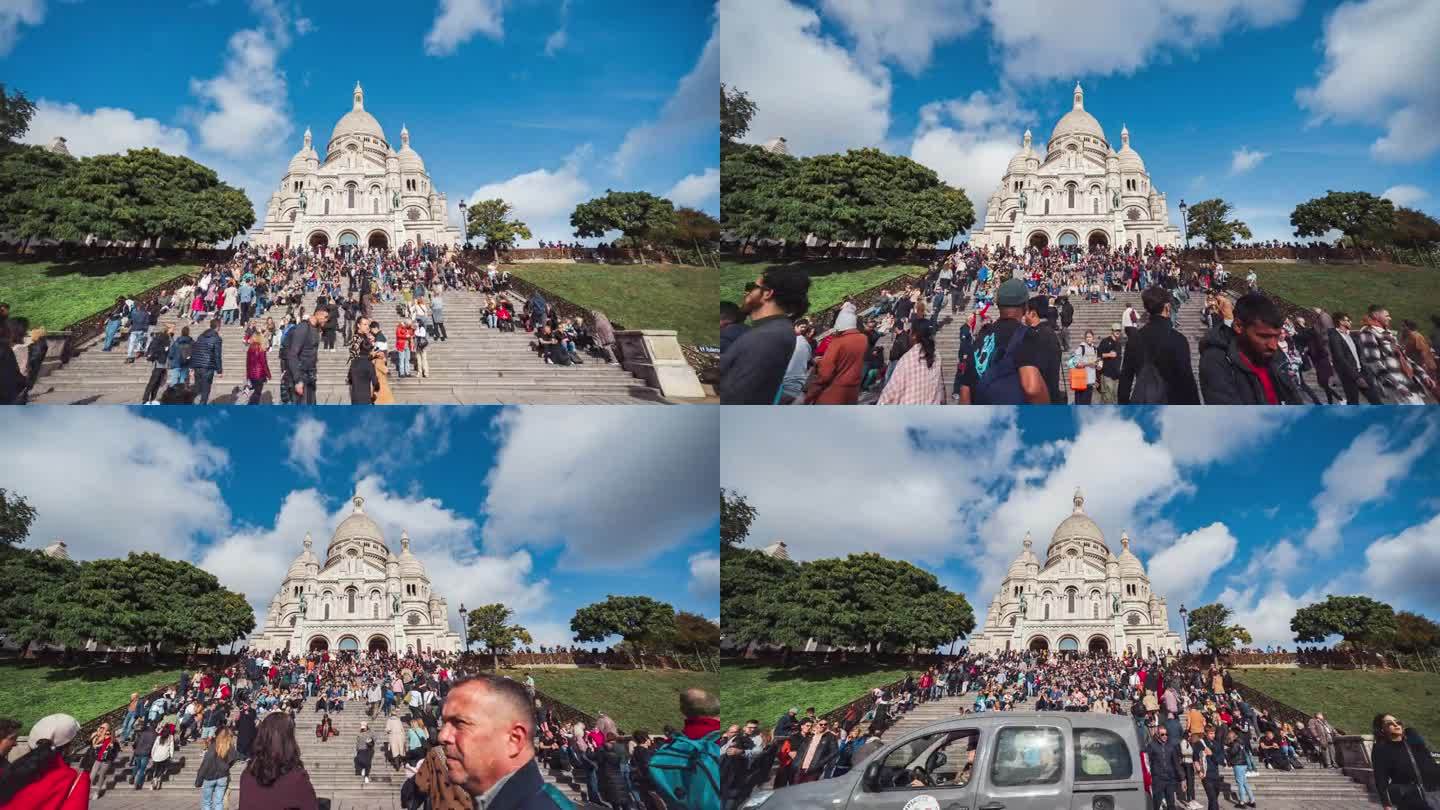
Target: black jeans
440,330
157,381
204,377
1164,791
256,386
1189,783
1212,792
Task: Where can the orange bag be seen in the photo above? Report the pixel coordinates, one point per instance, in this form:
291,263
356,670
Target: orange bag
1079,380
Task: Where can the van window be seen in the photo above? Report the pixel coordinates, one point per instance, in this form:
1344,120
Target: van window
938,760
1027,755
1100,754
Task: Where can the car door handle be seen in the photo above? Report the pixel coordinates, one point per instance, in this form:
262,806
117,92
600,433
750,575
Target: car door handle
992,806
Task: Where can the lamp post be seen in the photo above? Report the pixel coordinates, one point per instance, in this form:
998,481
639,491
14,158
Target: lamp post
1184,220
464,223
1185,617
464,624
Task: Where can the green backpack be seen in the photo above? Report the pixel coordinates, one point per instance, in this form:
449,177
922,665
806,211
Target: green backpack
687,772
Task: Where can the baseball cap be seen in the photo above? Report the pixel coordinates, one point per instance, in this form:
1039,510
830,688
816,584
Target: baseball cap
1115,327
1012,293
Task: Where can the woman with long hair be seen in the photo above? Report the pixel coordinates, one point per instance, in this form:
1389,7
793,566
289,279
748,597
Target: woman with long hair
415,739
1406,775
103,747
275,776
917,379
41,780
213,777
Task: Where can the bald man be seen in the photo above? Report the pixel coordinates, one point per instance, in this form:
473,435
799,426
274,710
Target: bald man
488,729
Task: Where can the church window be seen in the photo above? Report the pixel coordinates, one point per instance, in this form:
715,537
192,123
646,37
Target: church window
1094,610
1047,205
351,190
327,205
351,595
1047,610
327,610
1071,595
374,610
1133,619
1071,189
1095,205
1134,214
413,619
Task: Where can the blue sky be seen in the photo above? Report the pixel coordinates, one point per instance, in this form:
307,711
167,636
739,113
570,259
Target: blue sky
1265,510
544,509
545,102
1265,103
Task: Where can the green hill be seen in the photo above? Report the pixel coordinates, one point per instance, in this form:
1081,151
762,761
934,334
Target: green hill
831,282
763,692
636,699
1351,698
1409,292
31,691
57,294
656,296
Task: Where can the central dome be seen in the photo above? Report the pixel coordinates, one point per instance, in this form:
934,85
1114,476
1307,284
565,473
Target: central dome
1077,121
1078,524
357,121
357,525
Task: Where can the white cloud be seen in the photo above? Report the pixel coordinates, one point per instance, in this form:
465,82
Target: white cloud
102,131
559,38
692,111
245,110
903,31
252,561
1405,567
1244,159
695,190
460,20
808,88
544,198
635,484
1266,614
1181,570
1345,490
969,143
705,575
305,451
1395,91
1204,435
1407,196
1034,47
15,13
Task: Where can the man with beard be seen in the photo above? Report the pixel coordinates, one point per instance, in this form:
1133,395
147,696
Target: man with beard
1242,365
753,369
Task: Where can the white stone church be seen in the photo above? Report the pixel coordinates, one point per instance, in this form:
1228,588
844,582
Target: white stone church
360,597
362,193
1081,598
1078,191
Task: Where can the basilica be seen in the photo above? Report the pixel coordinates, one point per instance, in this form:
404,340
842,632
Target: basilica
1081,598
1078,191
362,193
360,596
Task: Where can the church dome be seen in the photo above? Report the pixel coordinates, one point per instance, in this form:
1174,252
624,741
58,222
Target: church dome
1077,121
409,159
1078,525
1129,159
298,567
1020,162
410,565
1019,568
1129,564
357,121
357,526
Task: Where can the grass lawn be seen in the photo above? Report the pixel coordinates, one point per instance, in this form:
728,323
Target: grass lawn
1350,699
57,294
1409,292
657,296
28,692
647,700
764,692
831,282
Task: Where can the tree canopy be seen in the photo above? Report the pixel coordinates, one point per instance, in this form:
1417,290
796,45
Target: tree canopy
753,201
490,625
642,622
1210,220
1210,625
736,110
16,516
1360,620
15,113
1359,215
1412,229
736,515
1415,634
491,219
639,215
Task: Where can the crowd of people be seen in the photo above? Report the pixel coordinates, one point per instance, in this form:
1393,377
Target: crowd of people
451,733
1193,725
1014,311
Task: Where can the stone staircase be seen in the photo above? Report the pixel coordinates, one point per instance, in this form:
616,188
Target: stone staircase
329,764
475,365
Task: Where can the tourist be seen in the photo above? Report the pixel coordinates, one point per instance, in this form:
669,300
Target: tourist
816,753
1005,365
731,325
162,755
422,345
257,369
1241,365
415,738
113,322
1084,361
364,751
246,726
753,370
275,776
103,749
1211,758
1156,368
213,775
300,357
394,739
207,360
1353,375
839,368
1406,774
41,780
139,332
917,379
1400,382
325,729
1166,767
140,752
9,736
487,730
688,765
404,334
1235,754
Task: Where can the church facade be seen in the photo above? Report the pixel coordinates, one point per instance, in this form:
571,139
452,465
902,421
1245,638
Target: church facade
361,596
1081,598
1077,191
362,193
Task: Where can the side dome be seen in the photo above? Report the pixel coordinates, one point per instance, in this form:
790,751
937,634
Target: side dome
1021,161
410,565
1019,568
1129,159
1129,564
409,159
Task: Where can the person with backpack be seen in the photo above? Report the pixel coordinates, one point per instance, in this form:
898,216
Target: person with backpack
686,770
1241,364
1156,367
206,360
1004,365
177,361
157,354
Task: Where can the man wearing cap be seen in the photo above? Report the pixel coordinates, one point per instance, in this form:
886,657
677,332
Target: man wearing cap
1110,365
992,342
753,368
1040,317
1159,344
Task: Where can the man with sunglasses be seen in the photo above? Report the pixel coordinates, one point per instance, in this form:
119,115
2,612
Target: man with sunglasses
753,368
1165,769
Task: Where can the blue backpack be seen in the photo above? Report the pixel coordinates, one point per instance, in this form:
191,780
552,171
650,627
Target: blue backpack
999,380
687,772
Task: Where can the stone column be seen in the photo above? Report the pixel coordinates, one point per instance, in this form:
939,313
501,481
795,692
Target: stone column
654,356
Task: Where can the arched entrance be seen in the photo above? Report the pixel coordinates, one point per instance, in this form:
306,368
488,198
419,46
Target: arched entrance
319,644
1039,644
349,238
379,644
378,239
1100,240
1099,646
319,239
1039,239
1069,644
349,643
1069,239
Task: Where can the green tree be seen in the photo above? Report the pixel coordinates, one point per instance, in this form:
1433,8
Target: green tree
16,517
32,586
695,632
1412,229
31,198
492,219
490,625
736,110
867,194
736,515
1360,620
1357,214
754,598
639,215
1210,625
641,621
694,227
15,113
1210,220
753,203
868,600
1415,634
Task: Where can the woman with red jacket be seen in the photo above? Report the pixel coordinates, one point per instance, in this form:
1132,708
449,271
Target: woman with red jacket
257,367
41,780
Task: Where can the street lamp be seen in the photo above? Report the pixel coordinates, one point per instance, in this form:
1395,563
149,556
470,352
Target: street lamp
464,222
464,625
1186,222
1185,614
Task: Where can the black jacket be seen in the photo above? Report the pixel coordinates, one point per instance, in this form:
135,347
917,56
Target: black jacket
362,379
302,351
526,790
824,755
1225,380
1158,342
1165,764
1393,767
207,352
1342,360
753,368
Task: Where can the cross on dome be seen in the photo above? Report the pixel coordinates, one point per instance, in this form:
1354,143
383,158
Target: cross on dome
1079,501
359,503
1125,540
404,540
308,541
359,97
1079,97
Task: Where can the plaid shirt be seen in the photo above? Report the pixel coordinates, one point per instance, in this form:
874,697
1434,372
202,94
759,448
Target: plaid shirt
1379,353
913,383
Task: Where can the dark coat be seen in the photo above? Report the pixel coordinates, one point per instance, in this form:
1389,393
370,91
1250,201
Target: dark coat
826,753
1225,380
1343,360
245,728
1159,343
526,790
292,791
363,380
